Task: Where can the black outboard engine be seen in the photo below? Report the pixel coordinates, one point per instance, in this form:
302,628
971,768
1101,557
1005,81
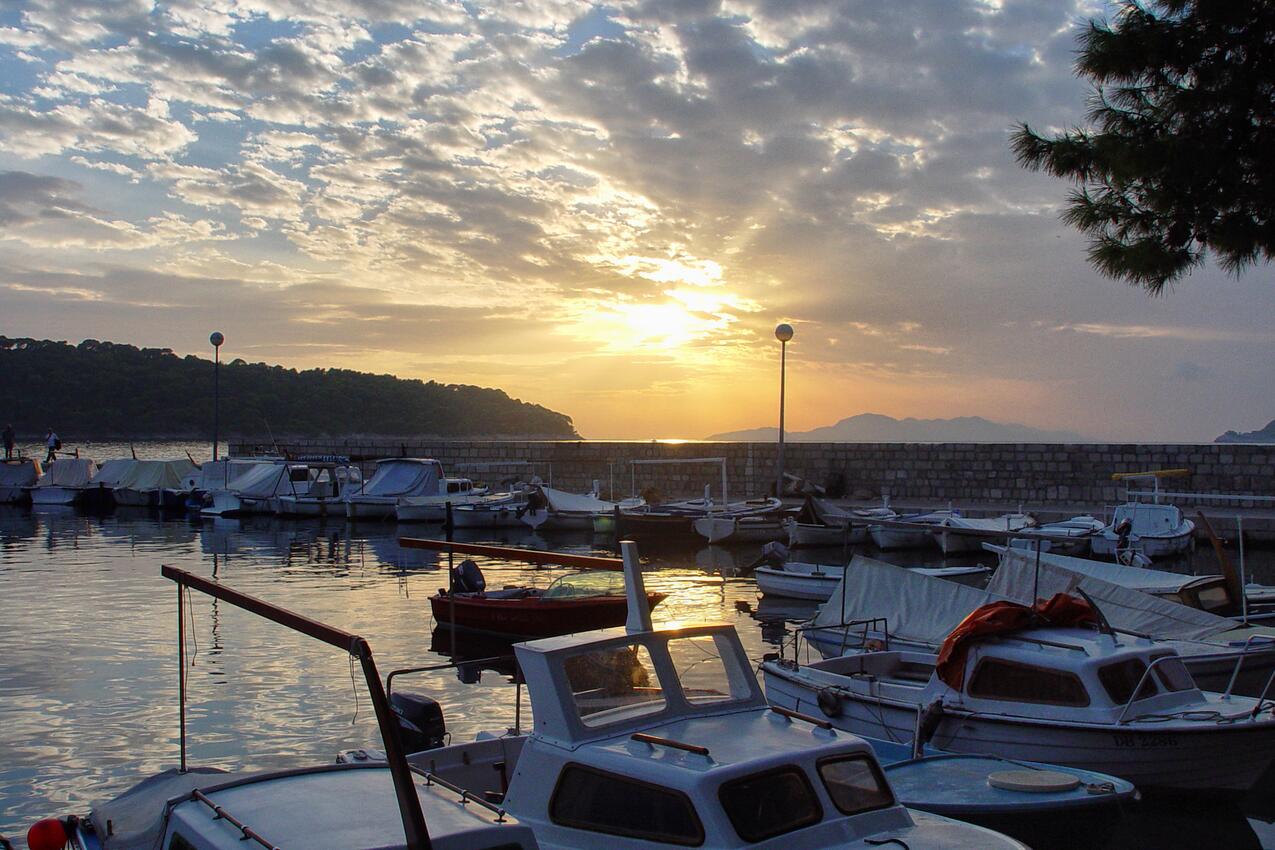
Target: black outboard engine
420,721
467,578
1122,535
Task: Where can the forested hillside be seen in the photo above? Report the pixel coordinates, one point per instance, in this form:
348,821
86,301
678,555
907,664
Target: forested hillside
101,389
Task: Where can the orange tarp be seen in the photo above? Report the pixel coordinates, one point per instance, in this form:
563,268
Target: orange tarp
1002,617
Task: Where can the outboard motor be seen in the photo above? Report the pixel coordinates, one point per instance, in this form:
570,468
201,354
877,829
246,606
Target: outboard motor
467,578
420,721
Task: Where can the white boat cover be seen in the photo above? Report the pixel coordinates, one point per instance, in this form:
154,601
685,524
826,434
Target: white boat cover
1124,608
916,607
68,472
403,477
21,473
1134,578
561,501
112,473
262,481
142,475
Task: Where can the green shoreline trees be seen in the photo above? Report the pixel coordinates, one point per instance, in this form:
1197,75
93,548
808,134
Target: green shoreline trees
102,389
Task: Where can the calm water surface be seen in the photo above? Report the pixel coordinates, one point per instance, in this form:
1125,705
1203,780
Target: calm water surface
88,642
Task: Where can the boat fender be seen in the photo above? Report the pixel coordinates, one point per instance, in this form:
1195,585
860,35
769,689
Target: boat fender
467,578
830,702
928,723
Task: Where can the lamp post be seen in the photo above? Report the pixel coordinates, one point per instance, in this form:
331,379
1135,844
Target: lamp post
216,338
783,333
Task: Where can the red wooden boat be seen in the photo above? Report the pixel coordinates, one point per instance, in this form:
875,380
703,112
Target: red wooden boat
574,603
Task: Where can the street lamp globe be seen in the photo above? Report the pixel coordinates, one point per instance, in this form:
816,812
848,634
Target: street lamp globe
783,332
216,339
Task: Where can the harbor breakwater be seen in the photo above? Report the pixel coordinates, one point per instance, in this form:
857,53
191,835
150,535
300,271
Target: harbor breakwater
1053,478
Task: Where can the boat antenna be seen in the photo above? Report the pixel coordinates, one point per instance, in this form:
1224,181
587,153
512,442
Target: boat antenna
1036,578
1103,625
639,620
273,441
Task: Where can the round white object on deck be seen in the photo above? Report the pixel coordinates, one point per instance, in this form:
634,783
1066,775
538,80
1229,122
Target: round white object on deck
1033,781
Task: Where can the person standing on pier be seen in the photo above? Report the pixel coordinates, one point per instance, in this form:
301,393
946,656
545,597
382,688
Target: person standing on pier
8,442
52,443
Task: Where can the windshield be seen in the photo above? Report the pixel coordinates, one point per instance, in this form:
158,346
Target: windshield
598,583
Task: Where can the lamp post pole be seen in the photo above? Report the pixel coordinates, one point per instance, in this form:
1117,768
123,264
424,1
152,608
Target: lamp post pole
216,338
783,333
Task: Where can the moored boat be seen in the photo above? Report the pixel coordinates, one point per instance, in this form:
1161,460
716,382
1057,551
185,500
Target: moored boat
432,507
957,534
64,482
908,531
1153,530
16,476
394,479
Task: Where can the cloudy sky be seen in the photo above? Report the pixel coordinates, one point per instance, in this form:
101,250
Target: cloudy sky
603,209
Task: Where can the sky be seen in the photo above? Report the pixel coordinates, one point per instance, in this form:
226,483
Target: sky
604,209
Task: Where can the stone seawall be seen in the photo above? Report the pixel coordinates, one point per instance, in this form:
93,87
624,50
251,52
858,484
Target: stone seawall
1034,475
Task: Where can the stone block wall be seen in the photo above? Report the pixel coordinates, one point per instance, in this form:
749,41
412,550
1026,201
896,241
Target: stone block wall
1035,475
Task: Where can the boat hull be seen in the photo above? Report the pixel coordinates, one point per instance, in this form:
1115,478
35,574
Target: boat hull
321,506
790,585
55,495
13,495
1153,546
803,534
363,507
887,539
533,617
1215,758
129,498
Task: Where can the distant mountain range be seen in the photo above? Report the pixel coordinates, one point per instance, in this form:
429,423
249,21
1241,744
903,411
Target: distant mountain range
1265,435
876,428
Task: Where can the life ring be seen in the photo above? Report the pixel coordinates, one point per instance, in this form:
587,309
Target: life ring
830,702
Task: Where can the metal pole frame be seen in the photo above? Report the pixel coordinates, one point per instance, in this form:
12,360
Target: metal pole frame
409,804
783,368
216,396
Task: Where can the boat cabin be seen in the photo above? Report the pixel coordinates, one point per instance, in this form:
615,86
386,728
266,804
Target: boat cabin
665,737
1082,675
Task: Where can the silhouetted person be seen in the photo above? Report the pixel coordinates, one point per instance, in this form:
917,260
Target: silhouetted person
8,442
52,443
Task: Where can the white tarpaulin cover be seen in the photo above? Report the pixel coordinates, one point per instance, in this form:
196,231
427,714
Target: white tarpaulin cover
560,500
262,481
1133,578
68,472
404,477
116,473
19,473
916,607
1132,610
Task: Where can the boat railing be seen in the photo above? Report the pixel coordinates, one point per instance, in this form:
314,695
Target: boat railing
513,553
466,796
468,662
247,833
415,832
873,624
1202,497
1164,659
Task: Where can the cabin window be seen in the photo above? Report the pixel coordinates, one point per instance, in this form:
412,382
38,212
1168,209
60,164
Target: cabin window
299,473
1122,677
708,670
1172,674
767,804
180,842
996,678
1213,597
614,684
453,487
591,799
855,784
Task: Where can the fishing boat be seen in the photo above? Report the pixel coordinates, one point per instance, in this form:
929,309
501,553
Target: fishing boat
958,534
678,519
64,482
581,512
743,524
432,507
1153,530
382,805
394,479
578,602
521,508
649,737
1064,693
821,523
908,531
797,580
16,476
1069,536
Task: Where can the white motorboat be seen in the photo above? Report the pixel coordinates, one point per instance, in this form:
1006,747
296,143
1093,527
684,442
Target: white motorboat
521,508
64,482
657,738
744,526
1069,536
957,534
15,477
1069,696
572,511
322,494
139,483
394,479
1154,530
433,507
910,531
797,580
255,486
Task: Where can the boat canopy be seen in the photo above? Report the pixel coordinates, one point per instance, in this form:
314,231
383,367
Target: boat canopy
1125,607
127,473
578,585
916,607
68,472
404,477
113,473
564,502
19,473
262,481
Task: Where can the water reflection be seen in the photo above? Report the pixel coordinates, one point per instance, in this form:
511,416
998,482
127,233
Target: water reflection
88,687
